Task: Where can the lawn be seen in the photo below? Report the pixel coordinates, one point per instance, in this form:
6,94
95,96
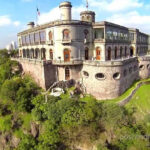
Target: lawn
141,102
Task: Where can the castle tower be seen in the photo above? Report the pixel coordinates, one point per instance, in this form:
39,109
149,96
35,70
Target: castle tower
65,9
88,16
30,25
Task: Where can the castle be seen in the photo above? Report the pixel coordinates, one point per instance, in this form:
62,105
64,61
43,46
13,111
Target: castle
104,57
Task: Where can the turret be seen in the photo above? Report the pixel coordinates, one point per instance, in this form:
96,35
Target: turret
88,16
65,9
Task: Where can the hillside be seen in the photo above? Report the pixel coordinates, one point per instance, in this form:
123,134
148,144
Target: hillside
29,121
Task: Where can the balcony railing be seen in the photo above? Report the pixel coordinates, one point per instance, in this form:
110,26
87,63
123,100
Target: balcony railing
62,62
66,41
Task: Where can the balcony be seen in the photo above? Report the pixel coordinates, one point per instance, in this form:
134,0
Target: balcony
62,62
66,41
99,40
51,42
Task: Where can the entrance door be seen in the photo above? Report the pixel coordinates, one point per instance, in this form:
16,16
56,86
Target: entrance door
66,55
86,54
67,73
131,51
98,54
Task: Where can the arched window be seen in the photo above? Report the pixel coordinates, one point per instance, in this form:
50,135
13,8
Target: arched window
86,32
121,50
50,35
36,53
67,73
116,52
51,54
109,54
66,34
43,52
66,55
131,51
98,53
86,53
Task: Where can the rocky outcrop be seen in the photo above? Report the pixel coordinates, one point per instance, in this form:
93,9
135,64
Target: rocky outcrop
34,129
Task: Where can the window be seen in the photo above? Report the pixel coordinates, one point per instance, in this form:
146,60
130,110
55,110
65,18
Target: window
131,51
116,76
121,49
86,33
86,53
115,52
50,35
109,54
67,73
32,38
141,67
51,54
86,74
98,53
27,39
37,38
43,52
66,34
23,40
66,55
42,36
100,76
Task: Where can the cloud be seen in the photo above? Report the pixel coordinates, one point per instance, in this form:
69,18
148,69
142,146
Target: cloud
16,23
6,21
54,14
132,19
115,5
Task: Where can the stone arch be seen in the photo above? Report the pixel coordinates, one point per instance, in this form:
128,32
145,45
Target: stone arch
131,51
24,53
98,53
121,52
28,53
32,53
116,52
43,53
109,53
86,53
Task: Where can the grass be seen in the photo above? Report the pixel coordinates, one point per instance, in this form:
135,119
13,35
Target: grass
141,102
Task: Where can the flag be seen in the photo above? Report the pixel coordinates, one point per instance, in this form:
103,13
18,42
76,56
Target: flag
38,12
87,4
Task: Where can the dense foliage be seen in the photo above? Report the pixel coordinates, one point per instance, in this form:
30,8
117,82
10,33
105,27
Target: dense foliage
44,122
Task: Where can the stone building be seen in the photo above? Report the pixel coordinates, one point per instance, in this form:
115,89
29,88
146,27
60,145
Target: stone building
104,57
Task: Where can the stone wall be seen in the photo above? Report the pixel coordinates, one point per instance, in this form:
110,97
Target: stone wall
144,67
43,73
118,77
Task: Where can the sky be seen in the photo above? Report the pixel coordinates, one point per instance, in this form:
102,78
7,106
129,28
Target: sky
15,14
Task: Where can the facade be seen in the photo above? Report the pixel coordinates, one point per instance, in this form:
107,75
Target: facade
104,57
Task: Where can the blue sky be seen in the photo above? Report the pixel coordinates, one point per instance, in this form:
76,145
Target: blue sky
15,14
